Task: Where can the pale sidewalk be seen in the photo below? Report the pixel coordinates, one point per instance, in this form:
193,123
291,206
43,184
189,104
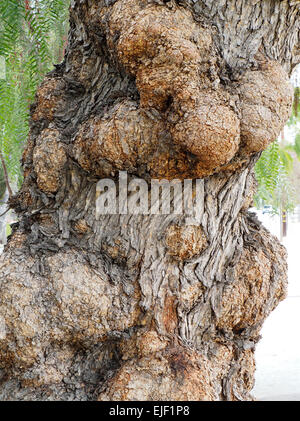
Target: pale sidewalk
278,353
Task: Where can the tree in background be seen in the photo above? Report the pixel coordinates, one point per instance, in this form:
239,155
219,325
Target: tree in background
32,38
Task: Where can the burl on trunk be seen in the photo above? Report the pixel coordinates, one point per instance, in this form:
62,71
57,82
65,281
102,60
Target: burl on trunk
148,307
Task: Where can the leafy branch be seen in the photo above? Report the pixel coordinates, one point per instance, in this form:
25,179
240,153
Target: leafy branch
6,175
32,38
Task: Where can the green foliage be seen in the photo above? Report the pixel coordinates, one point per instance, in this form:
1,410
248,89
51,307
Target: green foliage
297,145
273,170
295,117
32,38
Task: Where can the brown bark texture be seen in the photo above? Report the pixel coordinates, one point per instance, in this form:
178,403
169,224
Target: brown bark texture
148,307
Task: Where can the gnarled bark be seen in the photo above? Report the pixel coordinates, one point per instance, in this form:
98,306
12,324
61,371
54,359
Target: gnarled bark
148,307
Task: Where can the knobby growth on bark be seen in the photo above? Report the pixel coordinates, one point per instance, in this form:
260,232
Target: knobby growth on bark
144,307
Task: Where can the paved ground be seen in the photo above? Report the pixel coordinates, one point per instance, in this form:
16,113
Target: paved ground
278,353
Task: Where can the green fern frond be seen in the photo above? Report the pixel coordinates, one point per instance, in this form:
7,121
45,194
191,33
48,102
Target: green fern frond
32,35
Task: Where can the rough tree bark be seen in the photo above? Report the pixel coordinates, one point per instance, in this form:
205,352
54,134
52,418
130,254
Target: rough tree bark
143,307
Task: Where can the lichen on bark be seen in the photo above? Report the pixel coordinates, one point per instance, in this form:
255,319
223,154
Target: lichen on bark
148,307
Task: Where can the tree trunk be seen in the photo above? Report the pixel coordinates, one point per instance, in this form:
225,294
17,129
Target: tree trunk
3,219
143,306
